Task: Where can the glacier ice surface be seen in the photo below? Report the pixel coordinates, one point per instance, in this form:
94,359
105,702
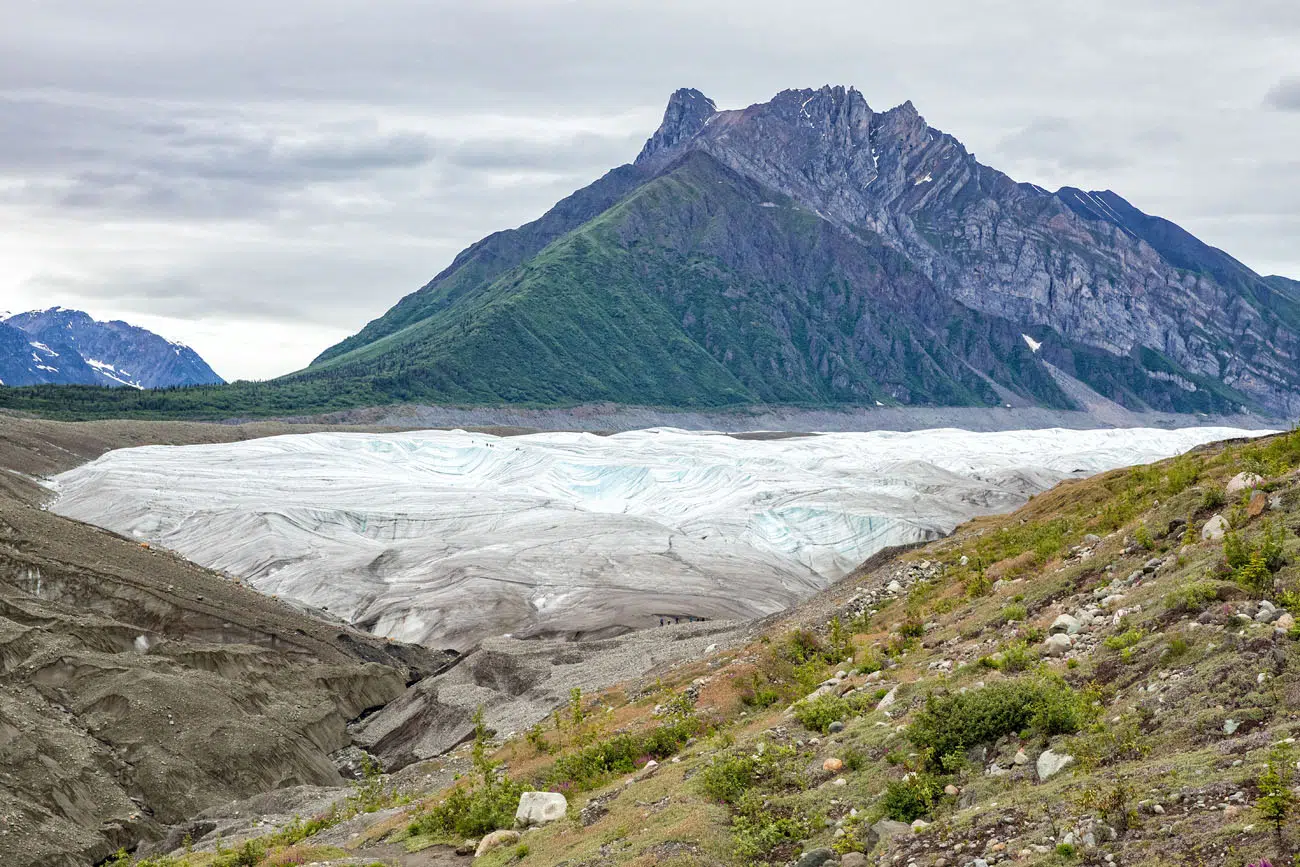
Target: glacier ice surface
445,537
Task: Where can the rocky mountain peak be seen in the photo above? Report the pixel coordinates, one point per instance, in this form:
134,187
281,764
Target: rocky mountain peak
63,346
687,113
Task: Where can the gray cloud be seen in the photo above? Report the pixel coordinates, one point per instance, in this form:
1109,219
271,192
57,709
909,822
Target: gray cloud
1285,95
303,166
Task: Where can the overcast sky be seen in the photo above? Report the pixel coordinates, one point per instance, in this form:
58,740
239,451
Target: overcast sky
259,179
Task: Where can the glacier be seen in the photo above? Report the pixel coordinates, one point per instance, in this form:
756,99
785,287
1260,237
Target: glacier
447,537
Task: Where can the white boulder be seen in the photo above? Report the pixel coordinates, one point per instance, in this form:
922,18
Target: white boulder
538,808
1243,482
1050,764
1215,529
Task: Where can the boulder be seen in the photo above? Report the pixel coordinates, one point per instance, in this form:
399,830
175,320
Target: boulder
1050,764
887,828
1057,645
1242,482
1258,503
495,840
816,858
1268,615
1064,623
1215,529
538,808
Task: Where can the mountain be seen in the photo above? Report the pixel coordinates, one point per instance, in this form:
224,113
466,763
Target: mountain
811,250
68,347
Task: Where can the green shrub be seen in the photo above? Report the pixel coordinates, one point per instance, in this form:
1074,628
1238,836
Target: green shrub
1109,743
252,853
1193,598
1065,850
1213,498
910,798
955,722
818,714
730,776
1181,474
1124,640
487,804
1015,612
1143,537
1277,802
762,829
595,763
1016,657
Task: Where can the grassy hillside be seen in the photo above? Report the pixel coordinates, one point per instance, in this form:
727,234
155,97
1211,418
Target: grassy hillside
908,714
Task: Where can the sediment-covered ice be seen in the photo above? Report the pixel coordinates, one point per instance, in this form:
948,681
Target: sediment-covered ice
444,537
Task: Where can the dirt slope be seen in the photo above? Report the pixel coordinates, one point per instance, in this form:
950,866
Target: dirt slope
137,689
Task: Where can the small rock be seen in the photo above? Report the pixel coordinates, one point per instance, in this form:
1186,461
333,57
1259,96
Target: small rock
711,648
919,824
833,765
835,727
888,699
1152,565
467,848
894,587
1215,529
538,808
1230,726
840,781
1285,623
1050,763
1242,482
853,859
495,840
1021,758
952,790
1091,539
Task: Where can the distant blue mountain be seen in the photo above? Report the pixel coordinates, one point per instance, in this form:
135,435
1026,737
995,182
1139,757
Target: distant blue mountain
68,347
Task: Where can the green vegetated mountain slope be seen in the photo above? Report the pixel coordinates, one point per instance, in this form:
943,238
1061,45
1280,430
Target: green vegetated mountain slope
1110,674
703,289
